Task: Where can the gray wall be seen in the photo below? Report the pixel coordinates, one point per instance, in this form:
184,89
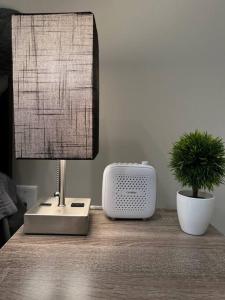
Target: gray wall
162,73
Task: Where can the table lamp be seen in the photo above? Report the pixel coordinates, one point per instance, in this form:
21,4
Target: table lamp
56,106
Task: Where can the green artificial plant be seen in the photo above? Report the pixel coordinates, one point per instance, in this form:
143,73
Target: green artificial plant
198,161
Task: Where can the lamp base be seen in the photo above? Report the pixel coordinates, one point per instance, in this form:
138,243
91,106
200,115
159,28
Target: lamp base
49,218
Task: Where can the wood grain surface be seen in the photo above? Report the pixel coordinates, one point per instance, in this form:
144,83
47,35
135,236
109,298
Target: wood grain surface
117,260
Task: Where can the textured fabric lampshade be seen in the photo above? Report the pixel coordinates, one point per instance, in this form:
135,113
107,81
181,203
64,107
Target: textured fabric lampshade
55,86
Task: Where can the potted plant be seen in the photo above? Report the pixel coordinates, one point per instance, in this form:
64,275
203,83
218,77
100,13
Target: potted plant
197,161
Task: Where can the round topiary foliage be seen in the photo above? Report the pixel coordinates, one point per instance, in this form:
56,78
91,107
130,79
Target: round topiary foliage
198,160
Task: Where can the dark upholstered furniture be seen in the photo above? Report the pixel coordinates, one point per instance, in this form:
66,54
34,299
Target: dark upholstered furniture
8,224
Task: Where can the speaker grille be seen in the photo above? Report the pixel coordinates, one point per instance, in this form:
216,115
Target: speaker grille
132,193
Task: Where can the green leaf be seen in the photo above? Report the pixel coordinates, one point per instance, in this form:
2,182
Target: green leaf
197,160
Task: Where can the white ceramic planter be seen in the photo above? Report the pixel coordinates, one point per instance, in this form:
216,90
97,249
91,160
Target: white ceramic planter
194,214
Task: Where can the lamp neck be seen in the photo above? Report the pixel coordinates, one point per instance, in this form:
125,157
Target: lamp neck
62,172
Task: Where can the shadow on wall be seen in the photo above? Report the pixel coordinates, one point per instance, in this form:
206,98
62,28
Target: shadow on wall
36,172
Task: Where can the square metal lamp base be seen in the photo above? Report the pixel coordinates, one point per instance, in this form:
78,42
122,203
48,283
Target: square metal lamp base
49,218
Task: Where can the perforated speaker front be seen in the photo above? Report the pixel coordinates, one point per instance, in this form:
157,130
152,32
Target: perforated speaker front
132,194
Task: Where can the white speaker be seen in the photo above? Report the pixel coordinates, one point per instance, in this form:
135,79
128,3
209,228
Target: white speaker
129,190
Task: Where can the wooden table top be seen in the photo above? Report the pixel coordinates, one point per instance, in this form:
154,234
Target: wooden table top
117,260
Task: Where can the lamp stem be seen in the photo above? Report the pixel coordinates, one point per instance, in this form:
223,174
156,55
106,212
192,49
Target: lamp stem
62,172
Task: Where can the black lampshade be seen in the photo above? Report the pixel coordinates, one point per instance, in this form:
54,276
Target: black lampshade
55,85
